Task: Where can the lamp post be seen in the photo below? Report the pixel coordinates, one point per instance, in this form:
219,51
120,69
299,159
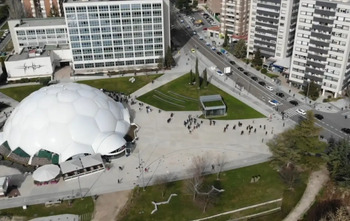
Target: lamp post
307,92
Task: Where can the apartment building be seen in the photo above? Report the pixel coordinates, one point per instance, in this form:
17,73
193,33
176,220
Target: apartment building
214,7
42,8
322,45
272,27
35,32
235,18
117,34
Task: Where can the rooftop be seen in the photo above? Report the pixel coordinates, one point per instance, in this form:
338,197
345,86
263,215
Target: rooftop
37,22
25,55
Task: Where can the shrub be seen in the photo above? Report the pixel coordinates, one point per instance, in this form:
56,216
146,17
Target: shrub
264,71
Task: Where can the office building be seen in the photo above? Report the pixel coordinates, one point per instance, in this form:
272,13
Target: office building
235,18
272,27
214,7
322,45
117,34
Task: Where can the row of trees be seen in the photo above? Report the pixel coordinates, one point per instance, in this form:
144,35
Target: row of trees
197,80
167,61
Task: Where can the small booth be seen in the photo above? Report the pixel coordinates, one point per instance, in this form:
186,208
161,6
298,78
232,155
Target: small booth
212,106
47,174
4,182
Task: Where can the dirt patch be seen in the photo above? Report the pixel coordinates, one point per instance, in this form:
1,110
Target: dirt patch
108,206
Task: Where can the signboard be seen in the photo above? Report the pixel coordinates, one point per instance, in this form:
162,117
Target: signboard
227,70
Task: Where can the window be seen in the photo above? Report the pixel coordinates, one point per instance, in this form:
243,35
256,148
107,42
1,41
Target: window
129,63
109,64
125,7
97,50
92,8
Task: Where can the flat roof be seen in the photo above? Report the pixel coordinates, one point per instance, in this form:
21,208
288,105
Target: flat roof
84,1
38,22
25,55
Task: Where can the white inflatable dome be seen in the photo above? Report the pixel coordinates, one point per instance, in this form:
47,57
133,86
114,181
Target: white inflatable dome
68,119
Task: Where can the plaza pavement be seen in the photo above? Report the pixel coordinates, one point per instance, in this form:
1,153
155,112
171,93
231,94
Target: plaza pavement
167,149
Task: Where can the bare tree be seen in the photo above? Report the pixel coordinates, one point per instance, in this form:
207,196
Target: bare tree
289,175
15,9
198,167
164,182
220,163
340,215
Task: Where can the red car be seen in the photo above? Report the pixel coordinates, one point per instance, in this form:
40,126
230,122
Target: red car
204,29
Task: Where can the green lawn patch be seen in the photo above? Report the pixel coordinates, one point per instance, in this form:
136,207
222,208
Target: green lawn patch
213,103
79,207
239,192
179,95
19,93
121,84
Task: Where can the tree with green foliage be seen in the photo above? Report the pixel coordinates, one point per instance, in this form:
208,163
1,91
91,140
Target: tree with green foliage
160,63
311,90
293,146
3,76
195,4
183,5
168,58
191,77
198,83
225,40
339,162
240,50
205,78
257,60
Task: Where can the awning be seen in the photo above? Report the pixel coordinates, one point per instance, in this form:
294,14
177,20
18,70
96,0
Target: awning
46,173
91,160
71,166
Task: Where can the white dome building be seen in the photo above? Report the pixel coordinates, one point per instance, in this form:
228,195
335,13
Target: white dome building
67,119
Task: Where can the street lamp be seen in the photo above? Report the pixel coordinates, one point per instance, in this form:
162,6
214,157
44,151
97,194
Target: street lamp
308,88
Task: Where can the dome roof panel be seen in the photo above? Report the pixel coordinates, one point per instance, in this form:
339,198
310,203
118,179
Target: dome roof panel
105,120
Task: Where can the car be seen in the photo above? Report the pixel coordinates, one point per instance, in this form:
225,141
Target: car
254,78
204,29
269,88
294,102
262,83
232,62
280,94
194,33
318,116
301,111
274,102
182,21
207,44
346,130
213,48
220,73
193,50
241,69
246,73
188,27
200,37
219,53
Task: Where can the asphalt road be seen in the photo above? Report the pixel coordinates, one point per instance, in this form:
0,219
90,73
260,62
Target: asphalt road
332,122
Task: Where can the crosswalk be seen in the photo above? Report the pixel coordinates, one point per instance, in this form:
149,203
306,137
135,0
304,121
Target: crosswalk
291,112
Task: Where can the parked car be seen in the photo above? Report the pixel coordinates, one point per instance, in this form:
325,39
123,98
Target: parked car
301,111
262,83
246,73
346,130
254,78
294,102
318,116
241,69
280,94
269,88
213,48
220,73
232,62
274,102
219,53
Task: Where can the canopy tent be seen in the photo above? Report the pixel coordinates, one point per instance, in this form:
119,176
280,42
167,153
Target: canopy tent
46,173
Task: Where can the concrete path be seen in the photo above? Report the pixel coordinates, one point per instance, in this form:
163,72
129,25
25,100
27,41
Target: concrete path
316,181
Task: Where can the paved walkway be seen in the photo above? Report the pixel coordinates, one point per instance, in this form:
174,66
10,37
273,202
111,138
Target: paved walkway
316,181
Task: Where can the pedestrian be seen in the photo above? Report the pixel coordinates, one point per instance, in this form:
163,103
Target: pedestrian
255,130
264,127
265,132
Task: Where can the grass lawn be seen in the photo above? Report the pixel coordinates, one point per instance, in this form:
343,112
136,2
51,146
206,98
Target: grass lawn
239,192
121,84
19,93
179,95
83,206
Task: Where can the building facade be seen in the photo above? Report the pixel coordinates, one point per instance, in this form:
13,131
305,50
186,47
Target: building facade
33,33
272,27
214,7
42,8
235,18
117,34
322,45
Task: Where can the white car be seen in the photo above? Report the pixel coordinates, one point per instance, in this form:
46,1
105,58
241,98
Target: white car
269,88
301,111
220,73
207,44
274,102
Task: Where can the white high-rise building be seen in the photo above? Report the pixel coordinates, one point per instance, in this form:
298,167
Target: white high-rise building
117,34
322,45
272,27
